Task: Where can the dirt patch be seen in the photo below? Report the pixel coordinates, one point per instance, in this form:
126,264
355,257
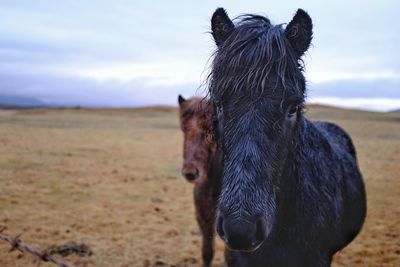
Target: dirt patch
70,248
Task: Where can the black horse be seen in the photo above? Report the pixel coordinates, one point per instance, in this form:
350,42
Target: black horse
292,193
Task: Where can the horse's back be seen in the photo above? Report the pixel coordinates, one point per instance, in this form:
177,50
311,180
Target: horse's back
336,136
354,191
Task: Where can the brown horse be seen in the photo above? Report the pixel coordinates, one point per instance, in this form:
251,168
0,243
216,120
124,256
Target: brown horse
199,154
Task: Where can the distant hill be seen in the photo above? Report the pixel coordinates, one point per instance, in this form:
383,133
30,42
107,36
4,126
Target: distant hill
396,110
11,101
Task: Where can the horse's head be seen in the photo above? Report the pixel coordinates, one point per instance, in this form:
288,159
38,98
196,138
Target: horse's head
195,120
257,88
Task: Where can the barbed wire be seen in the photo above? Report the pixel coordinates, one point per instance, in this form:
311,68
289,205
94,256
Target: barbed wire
17,244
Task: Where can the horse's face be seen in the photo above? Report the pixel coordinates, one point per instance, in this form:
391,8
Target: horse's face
195,120
257,87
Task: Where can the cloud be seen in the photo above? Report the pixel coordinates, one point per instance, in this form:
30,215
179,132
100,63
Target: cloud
72,91
371,92
356,88
129,53
376,104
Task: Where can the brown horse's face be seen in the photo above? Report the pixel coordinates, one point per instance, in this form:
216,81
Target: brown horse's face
195,120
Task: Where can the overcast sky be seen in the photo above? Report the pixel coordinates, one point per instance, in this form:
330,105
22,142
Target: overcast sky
134,53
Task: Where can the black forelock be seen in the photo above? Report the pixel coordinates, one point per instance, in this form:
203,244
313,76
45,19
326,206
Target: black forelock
255,55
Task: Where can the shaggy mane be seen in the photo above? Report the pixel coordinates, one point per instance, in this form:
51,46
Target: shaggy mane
253,51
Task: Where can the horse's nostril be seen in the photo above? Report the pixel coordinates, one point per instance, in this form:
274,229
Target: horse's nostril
260,229
242,233
190,174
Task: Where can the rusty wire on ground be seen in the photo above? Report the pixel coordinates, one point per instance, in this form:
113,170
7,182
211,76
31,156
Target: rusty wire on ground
17,244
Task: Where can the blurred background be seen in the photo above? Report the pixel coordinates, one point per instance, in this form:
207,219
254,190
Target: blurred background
94,176
138,53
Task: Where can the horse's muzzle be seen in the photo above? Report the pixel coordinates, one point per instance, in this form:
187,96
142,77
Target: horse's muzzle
242,234
190,173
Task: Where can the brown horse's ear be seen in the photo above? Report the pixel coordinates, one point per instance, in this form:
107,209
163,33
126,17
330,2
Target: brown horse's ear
221,26
181,99
299,32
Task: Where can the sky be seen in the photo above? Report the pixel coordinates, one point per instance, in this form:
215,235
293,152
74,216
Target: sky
137,53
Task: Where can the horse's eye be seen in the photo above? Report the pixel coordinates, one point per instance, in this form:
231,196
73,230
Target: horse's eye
292,111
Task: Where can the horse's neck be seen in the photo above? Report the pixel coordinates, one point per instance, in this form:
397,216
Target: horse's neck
304,168
290,184
298,156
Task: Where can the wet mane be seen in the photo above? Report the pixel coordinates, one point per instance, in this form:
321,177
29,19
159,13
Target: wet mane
254,51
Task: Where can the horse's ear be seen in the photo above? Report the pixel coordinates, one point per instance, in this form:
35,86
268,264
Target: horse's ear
299,32
181,99
221,26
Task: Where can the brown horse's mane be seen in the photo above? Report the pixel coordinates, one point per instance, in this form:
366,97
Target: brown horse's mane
203,110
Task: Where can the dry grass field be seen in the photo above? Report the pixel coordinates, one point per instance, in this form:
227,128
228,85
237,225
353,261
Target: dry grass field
111,179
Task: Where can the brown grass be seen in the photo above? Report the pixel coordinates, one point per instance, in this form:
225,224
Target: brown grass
111,179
